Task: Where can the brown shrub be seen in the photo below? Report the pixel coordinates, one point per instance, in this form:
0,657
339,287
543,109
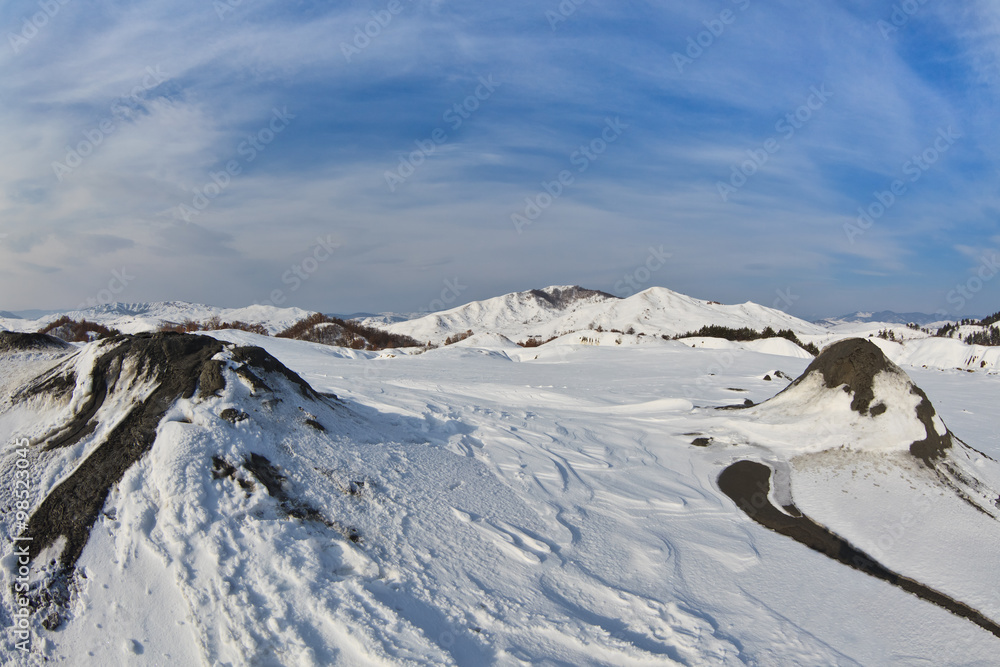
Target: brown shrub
344,333
212,324
535,342
450,340
77,332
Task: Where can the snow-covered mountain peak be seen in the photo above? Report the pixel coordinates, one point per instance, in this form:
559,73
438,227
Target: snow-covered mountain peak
565,296
141,308
555,311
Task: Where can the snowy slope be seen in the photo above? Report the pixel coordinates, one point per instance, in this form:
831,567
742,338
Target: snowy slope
943,353
548,507
655,311
510,315
918,349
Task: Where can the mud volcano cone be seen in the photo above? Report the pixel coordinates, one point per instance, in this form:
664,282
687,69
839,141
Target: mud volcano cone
853,366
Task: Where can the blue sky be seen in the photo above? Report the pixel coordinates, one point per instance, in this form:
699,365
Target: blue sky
374,155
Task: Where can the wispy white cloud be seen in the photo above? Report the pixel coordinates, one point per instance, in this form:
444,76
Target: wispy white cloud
217,82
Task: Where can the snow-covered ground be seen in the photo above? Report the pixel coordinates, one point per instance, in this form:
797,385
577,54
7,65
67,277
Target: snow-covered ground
516,506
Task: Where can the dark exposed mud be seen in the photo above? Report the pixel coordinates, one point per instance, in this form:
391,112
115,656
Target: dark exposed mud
30,342
259,358
271,478
175,362
748,484
934,445
853,364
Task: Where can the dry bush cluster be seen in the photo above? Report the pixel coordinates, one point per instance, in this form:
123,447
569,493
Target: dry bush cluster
77,332
535,342
458,337
744,334
212,324
319,328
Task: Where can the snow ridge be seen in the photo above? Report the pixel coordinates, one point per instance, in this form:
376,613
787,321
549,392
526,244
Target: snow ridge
556,311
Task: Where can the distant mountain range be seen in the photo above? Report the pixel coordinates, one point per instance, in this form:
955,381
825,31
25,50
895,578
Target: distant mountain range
377,319
539,313
559,310
137,317
886,316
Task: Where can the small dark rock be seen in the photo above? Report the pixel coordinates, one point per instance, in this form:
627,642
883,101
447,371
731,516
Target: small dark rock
256,384
233,415
222,468
211,382
259,358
